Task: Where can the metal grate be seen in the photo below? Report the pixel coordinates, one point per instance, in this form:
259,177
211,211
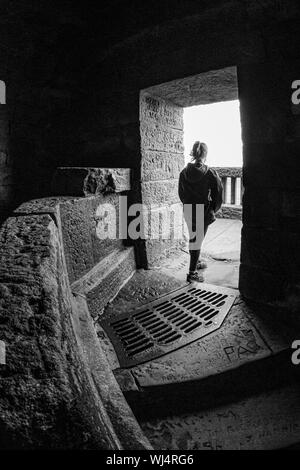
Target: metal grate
168,323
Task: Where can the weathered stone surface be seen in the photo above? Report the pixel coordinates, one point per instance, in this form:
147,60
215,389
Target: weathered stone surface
205,88
158,250
80,219
266,421
40,206
155,110
57,390
109,280
121,417
230,212
160,192
157,137
157,166
46,397
233,171
88,181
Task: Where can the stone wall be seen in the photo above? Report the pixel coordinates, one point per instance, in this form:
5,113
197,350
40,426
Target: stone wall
162,158
57,389
270,267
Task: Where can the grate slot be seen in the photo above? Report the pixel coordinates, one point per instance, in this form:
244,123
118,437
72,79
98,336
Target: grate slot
220,304
168,337
182,298
188,301
162,332
175,315
129,328
170,314
186,322
204,315
163,305
140,349
211,315
184,294
209,297
137,342
134,344
185,301
149,321
193,321
120,322
180,318
199,309
193,327
167,309
191,303
171,339
157,328
132,335
144,314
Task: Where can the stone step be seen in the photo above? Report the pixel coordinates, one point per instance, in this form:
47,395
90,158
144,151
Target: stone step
103,282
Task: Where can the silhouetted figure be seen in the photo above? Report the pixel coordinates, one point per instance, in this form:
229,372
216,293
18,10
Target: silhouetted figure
199,184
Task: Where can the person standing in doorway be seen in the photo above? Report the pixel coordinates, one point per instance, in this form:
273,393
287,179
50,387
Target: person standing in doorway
199,184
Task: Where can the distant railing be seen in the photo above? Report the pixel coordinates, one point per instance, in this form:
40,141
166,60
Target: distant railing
232,184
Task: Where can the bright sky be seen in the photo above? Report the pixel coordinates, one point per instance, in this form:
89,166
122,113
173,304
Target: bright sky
219,126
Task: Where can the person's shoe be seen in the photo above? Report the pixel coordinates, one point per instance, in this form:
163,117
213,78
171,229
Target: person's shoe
201,265
194,277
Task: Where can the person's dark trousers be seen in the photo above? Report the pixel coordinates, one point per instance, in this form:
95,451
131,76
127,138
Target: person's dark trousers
195,254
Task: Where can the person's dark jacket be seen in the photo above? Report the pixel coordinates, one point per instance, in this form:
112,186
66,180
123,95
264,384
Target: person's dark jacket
201,185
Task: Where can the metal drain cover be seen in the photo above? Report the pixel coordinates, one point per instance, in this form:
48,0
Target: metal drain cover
168,323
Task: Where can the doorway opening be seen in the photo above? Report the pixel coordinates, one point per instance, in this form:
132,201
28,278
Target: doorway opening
219,126
165,111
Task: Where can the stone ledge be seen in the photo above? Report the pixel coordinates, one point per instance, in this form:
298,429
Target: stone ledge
80,181
230,171
55,369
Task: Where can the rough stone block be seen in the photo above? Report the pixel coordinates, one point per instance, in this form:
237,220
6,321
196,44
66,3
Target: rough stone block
111,281
161,138
161,165
79,220
158,250
157,110
87,181
230,212
160,192
234,171
204,88
51,349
